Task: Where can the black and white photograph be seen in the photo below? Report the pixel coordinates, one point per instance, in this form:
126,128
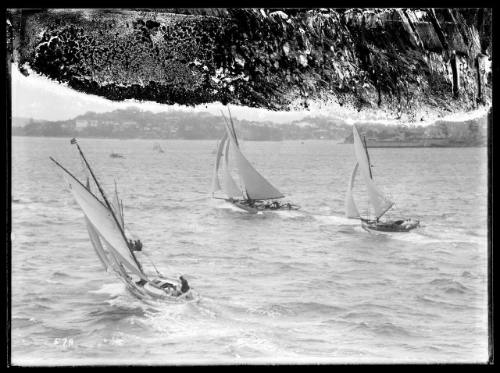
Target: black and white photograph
249,186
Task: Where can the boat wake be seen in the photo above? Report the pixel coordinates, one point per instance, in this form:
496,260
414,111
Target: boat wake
114,289
289,214
336,220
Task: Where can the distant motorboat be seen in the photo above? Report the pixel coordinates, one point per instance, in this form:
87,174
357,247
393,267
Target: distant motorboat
380,203
256,193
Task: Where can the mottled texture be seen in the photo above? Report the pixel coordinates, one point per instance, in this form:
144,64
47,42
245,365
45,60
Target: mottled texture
399,61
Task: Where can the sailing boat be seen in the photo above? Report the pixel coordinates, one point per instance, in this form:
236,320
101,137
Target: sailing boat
158,148
378,201
256,193
116,252
116,155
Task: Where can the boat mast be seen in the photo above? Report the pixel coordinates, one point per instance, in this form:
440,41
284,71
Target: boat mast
368,156
232,125
108,204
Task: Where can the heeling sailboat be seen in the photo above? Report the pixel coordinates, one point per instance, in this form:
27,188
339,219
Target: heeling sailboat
378,200
106,229
255,193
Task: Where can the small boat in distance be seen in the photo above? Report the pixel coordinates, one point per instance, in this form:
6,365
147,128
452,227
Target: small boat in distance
116,251
158,148
256,193
378,201
116,155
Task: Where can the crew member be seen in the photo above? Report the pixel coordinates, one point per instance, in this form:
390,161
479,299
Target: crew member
184,285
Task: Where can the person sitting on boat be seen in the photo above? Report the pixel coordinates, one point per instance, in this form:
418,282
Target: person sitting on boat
184,285
135,245
275,205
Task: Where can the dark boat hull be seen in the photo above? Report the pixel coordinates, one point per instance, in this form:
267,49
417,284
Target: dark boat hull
261,206
390,226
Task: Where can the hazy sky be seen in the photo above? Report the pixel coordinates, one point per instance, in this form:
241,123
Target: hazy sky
41,98
38,97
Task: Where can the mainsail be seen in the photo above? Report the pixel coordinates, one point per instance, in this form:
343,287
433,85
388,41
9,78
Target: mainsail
255,185
215,179
104,224
94,239
351,210
228,184
378,200
96,243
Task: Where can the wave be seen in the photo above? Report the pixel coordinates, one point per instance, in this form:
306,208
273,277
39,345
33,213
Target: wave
23,322
440,303
364,315
21,200
388,329
467,274
336,220
449,286
292,215
60,274
302,309
113,289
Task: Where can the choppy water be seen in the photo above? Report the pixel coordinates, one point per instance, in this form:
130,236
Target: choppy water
300,286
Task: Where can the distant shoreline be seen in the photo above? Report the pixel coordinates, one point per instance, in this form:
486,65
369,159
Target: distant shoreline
337,142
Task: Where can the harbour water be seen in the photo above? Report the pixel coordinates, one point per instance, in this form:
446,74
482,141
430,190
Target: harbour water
307,286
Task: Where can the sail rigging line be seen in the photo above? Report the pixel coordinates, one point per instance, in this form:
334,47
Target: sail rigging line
152,263
119,206
78,181
368,156
109,206
231,129
232,124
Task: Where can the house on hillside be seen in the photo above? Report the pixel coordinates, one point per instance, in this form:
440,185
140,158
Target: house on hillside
80,124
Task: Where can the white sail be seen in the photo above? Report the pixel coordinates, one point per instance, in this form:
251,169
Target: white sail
215,178
228,184
104,223
94,239
115,259
256,186
351,211
106,255
378,200
96,243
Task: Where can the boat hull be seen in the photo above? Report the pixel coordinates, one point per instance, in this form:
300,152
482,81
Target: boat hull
151,291
243,206
390,226
261,206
